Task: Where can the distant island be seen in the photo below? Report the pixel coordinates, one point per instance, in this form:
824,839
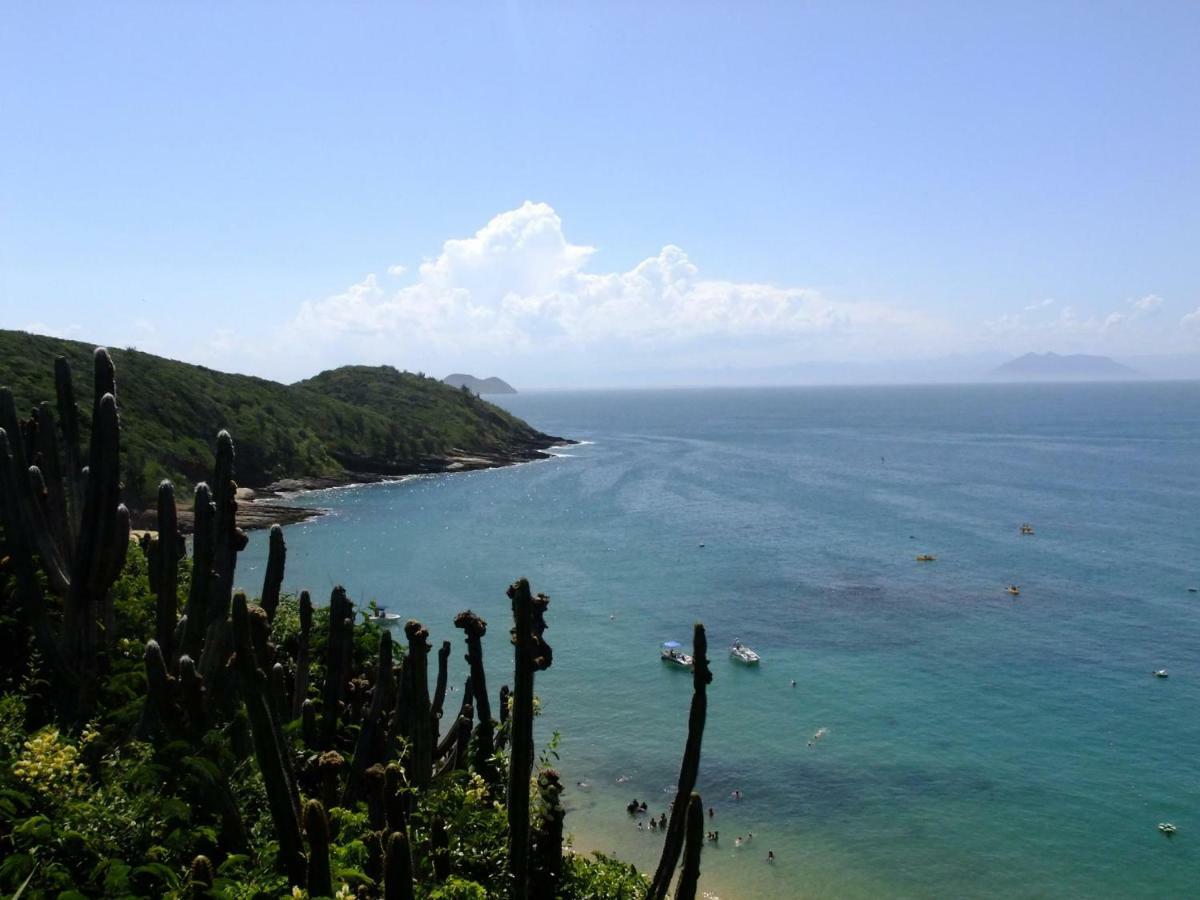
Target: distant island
346,425
491,385
1056,367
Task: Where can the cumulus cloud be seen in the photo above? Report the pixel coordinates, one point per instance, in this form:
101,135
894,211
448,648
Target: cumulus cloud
397,269
519,288
1048,324
1192,319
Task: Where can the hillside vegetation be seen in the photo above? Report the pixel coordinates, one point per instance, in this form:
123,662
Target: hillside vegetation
355,419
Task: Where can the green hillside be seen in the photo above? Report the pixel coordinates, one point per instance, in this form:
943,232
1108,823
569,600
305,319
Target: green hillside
357,418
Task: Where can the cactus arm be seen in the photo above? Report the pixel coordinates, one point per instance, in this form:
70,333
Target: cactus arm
370,735
68,418
166,588
273,580
439,690
316,826
300,688
420,717
398,876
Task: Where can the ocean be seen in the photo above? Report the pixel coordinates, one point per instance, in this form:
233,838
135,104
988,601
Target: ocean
973,743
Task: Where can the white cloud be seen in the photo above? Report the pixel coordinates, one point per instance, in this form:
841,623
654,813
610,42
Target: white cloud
1192,319
397,269
519,289
1125,329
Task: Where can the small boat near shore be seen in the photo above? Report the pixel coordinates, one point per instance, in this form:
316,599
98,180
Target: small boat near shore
1026,528
381,616
739,652
926,557
1013,589
673,654
1161,673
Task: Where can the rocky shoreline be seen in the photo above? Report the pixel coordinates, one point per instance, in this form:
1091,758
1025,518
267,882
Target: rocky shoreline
269,505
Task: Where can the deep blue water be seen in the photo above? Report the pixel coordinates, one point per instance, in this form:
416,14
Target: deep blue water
977,745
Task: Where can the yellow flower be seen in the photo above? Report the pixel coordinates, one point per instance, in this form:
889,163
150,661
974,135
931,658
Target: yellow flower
343,893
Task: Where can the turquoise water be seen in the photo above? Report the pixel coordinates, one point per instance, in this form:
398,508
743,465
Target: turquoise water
977,745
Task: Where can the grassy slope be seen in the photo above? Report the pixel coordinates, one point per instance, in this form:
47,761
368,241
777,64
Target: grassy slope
358,418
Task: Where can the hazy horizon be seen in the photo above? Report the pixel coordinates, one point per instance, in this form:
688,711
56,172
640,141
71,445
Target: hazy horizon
609,197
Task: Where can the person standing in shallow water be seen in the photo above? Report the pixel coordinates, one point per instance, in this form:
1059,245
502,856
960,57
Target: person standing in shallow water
770,856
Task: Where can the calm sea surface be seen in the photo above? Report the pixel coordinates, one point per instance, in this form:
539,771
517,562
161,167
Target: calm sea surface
974,745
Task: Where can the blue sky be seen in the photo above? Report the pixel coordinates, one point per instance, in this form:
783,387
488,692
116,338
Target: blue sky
572,193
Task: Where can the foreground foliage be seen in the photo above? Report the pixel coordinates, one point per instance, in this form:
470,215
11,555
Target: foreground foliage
161,735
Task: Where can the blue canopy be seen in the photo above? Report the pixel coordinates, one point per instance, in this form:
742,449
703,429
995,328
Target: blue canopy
672,645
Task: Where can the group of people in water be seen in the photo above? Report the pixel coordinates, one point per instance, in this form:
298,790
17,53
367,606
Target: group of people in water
635,807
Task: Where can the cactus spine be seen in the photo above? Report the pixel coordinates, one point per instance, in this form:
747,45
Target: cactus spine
688,770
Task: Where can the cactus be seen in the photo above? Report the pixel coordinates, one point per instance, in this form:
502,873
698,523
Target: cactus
316,827
200,878
531,653
279,700
545,866
337,663
300,688
439,852
308,724
395,804
439,690
228,542
156,711
420,718
168,550
689,875
196,614
397,876
688,770
369,747
273,580
32,512
192,689
273,759
474,628
329,769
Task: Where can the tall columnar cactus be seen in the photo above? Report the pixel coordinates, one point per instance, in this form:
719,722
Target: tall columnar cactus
398,876
337,662
316,827
156,710
273,580
196,614
273,759
439,690
200,878
531,654
300,688
167,550
688,770
545,867
228,542
194,703
369,748
32,508
689,874
420,716
474,628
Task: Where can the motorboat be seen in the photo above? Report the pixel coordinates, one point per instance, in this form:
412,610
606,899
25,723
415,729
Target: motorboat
1160,673
1026,528
672,652
926,557
1013,589
381,616
1166,828
739,652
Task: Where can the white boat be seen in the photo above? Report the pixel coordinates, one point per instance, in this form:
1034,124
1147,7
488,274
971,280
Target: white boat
739,652
381,616
1160,673
673,654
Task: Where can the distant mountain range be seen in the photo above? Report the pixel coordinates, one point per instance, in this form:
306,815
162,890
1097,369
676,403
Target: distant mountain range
1055,367
491,385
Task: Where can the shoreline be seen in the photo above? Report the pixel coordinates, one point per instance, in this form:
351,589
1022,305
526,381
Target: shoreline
262,507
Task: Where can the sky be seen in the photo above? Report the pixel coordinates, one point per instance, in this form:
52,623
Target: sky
570,194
